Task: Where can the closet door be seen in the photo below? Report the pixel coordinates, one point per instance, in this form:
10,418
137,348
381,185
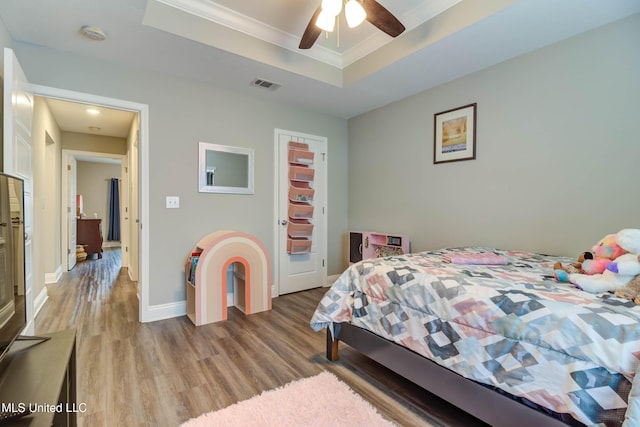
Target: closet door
301,211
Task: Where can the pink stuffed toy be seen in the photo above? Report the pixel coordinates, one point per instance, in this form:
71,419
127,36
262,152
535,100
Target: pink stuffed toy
605,251
619,272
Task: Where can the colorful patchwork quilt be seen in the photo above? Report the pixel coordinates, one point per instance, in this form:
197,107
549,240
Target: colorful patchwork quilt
511,326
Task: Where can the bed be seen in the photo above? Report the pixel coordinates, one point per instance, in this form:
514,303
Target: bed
503,341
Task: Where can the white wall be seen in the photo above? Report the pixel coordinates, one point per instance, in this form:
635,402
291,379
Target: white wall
557,152
181,114
46,196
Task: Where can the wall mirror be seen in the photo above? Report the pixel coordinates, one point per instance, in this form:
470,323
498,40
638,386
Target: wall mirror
225,169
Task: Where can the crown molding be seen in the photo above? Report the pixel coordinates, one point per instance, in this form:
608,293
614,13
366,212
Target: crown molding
410,19
229,18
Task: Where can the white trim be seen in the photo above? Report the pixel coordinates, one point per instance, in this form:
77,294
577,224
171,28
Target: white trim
175,309
166,311
332,279
145,314
229,18
52,278
79,155
247,25
40,300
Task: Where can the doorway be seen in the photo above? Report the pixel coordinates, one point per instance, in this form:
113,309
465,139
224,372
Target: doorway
138,166
87,173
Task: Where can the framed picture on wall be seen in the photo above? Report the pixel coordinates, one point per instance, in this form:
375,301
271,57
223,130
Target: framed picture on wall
454,134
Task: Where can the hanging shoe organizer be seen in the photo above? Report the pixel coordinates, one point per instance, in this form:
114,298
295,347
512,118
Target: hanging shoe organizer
301,175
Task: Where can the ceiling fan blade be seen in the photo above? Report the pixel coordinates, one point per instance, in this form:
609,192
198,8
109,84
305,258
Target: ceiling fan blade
382,18
312,32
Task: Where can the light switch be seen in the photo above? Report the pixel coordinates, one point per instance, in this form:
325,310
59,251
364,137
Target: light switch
173,202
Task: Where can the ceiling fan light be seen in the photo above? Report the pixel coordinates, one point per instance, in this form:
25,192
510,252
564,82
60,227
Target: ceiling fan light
355,13
326,21
332,7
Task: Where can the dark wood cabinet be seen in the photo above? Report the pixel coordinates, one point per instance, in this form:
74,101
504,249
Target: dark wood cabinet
89,234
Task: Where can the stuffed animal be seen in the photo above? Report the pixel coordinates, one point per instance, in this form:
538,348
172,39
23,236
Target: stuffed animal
605,251
594,262
619,272
576,267
631,291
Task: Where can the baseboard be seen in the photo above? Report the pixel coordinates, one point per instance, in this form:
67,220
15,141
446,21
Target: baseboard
131,277
166,311
177,309
50,278
40,301
108,245
332,279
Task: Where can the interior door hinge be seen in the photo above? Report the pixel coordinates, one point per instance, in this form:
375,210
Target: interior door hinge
323,263
68,167
323,154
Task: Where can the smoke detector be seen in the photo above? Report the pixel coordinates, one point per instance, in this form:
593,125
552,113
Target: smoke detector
265,84
94,33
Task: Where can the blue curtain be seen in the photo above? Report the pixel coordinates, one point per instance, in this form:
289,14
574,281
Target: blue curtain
114,210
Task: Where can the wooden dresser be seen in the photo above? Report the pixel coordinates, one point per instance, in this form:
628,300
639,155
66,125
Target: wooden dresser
90,235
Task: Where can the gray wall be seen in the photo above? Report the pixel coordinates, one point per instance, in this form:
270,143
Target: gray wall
94,143
182,113
558,150
93,183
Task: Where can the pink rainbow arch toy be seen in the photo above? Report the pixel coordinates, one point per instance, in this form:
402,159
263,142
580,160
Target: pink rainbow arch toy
207,299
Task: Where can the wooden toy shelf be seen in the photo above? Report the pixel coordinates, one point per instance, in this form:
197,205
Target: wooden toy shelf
194,277
368,244
221,260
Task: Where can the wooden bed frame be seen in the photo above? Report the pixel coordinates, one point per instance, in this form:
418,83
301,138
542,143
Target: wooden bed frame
483,403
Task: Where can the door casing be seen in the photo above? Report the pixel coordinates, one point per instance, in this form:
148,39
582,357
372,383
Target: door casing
145,311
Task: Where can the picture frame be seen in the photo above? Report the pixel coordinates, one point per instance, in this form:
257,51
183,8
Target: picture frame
454,134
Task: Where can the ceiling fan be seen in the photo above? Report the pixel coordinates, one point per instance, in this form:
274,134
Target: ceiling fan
356,11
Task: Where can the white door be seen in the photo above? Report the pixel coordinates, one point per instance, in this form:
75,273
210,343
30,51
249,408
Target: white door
18,115
72,173
134,210
299,270
124,213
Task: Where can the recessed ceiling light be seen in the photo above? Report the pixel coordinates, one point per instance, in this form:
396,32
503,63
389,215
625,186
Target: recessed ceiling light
94,33
93,111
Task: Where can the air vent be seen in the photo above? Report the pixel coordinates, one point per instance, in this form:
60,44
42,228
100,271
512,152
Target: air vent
265,84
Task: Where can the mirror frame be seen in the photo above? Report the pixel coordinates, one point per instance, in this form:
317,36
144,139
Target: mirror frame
202,169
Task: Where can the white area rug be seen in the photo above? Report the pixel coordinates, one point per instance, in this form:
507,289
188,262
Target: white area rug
321,401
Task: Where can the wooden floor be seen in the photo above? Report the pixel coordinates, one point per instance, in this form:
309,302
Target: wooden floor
165,372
